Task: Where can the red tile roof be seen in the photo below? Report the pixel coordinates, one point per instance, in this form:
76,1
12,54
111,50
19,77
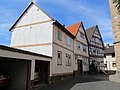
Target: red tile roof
74,28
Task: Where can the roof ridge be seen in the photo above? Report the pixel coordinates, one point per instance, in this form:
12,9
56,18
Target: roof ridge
73,24
92,27
29,5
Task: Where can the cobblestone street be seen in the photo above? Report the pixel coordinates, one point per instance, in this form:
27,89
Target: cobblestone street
84,82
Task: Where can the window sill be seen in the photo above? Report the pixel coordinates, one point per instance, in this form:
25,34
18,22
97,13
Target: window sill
68,45
59,64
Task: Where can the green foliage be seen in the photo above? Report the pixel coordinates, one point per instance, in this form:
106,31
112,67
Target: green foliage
117,2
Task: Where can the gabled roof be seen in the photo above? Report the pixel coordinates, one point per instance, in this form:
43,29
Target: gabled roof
109,50
55,21
31,3
90,32
73,29
64,29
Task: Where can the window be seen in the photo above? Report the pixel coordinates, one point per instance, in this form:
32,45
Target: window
102,62
59,58
113,64
68,40
113,55
94,50
82,35
68,60
78,45
105,65
104,56
59,35
84,48
76,59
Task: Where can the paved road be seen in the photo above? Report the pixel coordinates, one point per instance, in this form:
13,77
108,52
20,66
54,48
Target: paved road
99,85
83,82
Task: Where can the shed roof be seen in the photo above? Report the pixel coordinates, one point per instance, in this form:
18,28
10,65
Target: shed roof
22,51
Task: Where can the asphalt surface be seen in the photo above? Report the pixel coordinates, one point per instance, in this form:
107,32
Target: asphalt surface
84,82
99,85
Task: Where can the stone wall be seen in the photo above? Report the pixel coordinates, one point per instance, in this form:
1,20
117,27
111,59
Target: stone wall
116,31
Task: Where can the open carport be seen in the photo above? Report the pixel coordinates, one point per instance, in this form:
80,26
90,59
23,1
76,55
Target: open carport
43,67
18,71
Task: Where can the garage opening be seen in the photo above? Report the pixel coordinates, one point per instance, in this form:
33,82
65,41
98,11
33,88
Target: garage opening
41,72
18,72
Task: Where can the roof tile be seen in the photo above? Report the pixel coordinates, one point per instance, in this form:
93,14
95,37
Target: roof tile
74,28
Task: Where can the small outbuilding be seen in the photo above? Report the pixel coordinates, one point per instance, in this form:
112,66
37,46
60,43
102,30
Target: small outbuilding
24,68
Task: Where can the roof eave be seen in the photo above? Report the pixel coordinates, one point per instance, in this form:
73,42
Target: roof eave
63,28
22,51
31,3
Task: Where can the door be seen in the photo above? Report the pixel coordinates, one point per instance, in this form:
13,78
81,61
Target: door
80,67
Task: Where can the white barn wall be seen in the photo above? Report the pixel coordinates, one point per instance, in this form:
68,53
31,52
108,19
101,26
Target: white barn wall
44,50
33,15
34,34
37,35
32,30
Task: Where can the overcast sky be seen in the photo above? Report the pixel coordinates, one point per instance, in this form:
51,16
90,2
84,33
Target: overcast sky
90,12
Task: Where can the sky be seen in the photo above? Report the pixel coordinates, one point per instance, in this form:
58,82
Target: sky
68,12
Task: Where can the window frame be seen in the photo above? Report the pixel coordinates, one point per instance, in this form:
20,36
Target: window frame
59,59
84,48
68,60
68,40
114,64
78,45
59,35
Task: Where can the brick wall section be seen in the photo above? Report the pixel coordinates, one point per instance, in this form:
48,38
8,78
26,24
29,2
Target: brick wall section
116,31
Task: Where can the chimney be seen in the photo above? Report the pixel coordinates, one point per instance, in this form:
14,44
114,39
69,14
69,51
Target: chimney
63,25
107,45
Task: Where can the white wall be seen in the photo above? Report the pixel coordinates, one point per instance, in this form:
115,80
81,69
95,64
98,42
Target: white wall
33,15
79,52
109,60
38,34
79,38
33,37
